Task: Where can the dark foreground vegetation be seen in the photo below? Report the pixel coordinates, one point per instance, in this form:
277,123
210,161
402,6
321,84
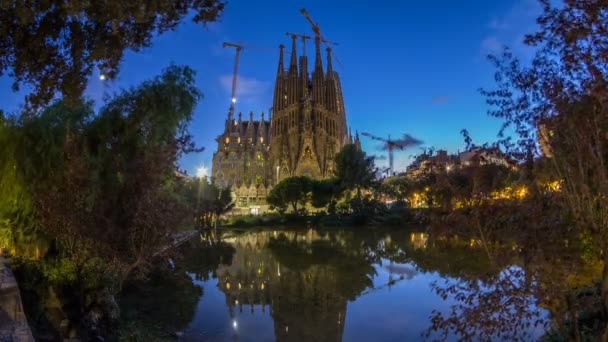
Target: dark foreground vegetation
91,197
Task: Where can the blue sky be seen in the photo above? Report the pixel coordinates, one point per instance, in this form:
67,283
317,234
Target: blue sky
407,66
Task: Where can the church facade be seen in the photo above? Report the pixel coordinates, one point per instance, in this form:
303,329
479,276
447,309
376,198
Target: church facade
303,133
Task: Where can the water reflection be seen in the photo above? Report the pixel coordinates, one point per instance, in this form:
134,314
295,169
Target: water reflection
301,285
304,279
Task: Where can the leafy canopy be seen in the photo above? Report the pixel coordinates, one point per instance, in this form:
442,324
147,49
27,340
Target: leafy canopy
54,45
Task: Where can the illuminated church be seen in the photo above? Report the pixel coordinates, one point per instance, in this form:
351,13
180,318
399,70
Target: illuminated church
302,135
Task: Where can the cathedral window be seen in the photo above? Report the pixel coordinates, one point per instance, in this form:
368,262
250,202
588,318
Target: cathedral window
227,140
259,157
258,179
238,140
262,140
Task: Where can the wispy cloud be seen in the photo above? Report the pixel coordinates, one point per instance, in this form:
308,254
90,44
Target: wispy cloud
248,90
510,28
491,45
440,99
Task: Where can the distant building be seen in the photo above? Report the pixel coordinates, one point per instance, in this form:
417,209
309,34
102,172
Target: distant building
483,156
442,161
183,175
544,134
301,138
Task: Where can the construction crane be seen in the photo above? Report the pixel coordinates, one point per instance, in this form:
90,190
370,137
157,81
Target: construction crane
390,145
239,48
301,36
317,31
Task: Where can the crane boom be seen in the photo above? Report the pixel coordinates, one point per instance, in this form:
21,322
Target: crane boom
239,48
317,31
315,27
390,144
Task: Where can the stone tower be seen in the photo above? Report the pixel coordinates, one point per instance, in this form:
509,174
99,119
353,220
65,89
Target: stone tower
308,125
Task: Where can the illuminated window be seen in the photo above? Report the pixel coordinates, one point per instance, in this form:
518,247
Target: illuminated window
227,140
238,140
262,140
259,156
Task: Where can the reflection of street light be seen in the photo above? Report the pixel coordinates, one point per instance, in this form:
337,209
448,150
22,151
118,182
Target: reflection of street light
102,77
234,324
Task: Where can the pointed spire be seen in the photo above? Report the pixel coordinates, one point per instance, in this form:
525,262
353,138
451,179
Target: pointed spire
262,131
281,67
318,86
279,84
294,55
318,62
292,77
330,69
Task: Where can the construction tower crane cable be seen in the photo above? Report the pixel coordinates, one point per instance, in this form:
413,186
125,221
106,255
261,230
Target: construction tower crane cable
317,31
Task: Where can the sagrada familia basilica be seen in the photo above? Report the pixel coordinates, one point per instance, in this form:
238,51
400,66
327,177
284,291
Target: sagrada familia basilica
301,136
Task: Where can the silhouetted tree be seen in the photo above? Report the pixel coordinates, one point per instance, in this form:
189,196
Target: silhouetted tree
354,169
53,46
292,191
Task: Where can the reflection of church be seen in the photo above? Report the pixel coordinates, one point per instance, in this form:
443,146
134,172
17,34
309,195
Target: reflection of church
307,128
306,304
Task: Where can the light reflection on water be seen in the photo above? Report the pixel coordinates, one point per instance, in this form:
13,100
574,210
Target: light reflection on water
306,285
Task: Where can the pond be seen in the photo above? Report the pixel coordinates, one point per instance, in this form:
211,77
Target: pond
337,285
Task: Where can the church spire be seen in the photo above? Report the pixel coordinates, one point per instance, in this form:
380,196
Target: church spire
331,94
294,54
292,77
279,84
318,90
330,69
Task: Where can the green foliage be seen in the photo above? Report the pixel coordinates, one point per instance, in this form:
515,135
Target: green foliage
103,187
354,169
205,200
44,46
324,191
292,191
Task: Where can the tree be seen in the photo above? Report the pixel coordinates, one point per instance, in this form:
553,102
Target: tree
55,45
292,191
354,169
205,200
323,192
105,183
564,90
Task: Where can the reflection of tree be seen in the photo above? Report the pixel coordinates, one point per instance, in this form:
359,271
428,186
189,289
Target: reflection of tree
320,277
531,264
202,258
305,277
165,303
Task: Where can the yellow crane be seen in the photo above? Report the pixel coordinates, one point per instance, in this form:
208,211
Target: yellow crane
317,31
